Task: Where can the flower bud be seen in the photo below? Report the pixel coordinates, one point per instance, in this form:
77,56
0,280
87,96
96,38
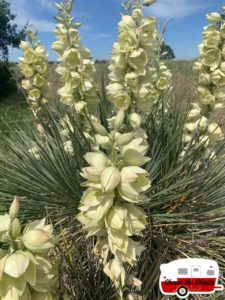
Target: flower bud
148,2
24,45
110,178
119,119
58,46
14,208
137,14
16,228
99,128
124,139
38,240
213,17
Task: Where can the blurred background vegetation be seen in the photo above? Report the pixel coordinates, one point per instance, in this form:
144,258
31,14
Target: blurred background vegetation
14,111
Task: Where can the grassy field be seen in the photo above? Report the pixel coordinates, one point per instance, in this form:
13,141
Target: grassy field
15,113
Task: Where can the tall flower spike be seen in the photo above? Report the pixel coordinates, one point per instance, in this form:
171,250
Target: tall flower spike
33,66
115,184
75,67
136,77
210,68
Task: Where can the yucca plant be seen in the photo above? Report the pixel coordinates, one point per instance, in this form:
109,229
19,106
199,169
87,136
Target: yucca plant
154,166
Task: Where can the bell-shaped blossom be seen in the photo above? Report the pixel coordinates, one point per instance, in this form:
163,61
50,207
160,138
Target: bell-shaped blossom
16,271
134,181
94,206
123,247
116,272
38,237
133,154
128,219
46,275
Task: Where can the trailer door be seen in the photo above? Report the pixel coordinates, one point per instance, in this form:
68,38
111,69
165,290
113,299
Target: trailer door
196,278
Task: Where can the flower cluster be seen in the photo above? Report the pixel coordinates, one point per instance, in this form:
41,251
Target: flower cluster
27,271
209,133
75,67
210,68
33,66
133,81
115,183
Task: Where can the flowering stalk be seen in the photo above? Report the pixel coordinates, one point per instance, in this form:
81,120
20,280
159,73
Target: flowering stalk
76,67
33,66
27,270
114,185
209,133
210,68
134,83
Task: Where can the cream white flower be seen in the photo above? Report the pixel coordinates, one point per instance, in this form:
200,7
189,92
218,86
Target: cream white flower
94,206
213,17
215,134
126,23
110,178
127,219
46,275
17,270
137,14
134,181
211,58
133,153
116,272
135,120
38,240
5,221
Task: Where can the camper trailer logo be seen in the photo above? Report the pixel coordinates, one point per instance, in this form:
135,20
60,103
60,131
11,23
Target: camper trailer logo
189,276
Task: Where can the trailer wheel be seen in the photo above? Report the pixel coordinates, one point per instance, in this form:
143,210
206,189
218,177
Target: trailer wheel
182,291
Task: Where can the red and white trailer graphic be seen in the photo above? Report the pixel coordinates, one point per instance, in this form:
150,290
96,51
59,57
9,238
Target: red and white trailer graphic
189,276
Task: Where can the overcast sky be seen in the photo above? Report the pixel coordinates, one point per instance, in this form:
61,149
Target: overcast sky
100,17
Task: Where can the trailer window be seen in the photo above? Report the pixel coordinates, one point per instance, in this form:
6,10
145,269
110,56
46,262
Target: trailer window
196,269
182,271
210,272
